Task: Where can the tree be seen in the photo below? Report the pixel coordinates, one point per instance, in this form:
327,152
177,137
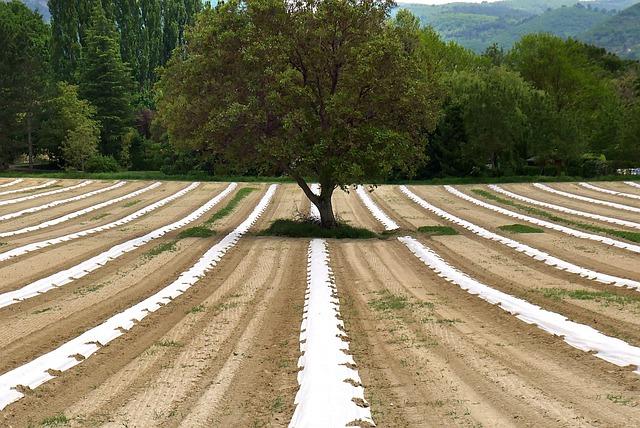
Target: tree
80,145
24,75
65,112
105,81
324,90
503,96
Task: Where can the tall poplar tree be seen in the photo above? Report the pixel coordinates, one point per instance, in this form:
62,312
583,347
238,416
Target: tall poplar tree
106,82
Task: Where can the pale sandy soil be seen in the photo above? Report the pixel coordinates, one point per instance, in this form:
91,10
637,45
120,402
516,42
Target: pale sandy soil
531,192
224,354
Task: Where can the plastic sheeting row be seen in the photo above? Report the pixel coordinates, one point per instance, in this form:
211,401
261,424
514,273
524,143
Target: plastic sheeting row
26,189
375,210
84,268
11,183
61,201
632,184
72,353
524,249
78,213
329,385
565,210
39,195
586,199
547,224
608,191
579,336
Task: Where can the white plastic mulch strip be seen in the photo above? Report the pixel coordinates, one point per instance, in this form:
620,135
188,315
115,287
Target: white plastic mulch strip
84,268
39,195
313,211
25,249
565,210
79,213
579,336
11,183
631,183
585,198
329,386
608,191
375,210
24,189
72,353
544,223
524,249
61,201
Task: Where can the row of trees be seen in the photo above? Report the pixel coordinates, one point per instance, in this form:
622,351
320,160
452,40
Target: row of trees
264,86
548,106
78,91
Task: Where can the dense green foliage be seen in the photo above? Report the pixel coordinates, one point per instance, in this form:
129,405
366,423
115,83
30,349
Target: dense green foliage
333,91
24,64
324,90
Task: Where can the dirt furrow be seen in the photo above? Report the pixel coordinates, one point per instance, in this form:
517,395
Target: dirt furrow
530,191
49,260
31,219
594,194
430,354
42,323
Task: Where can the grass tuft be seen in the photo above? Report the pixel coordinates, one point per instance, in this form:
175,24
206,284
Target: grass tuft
159,249
599,296
307,229
231,205
520,228
629,236
99,216
2,244
389,302
169,344
437,230
196,232
196,309
55,421
132,203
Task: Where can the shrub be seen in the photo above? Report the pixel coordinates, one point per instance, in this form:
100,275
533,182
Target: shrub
101,163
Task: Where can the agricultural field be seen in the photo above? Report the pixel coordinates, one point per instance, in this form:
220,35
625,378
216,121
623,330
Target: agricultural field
144,304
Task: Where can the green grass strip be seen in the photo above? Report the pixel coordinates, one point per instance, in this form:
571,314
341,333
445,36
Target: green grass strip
307,229
161,248
520,228
231,205
601,296
437,230
629,236
196,232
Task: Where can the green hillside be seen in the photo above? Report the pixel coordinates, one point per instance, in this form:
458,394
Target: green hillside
619,34
564,22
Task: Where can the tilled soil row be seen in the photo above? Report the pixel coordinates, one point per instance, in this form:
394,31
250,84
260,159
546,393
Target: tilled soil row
32,219
523,277
17,272
439,356
43,322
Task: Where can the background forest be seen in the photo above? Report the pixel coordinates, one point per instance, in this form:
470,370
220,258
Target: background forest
79,90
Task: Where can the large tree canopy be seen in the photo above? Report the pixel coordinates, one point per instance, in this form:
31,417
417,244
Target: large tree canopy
327,90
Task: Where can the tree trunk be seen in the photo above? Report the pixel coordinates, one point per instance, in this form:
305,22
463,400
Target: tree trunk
322,201
29,141
325,206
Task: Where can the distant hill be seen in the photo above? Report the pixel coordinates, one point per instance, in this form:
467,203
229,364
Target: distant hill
478,25
564,22
619,34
